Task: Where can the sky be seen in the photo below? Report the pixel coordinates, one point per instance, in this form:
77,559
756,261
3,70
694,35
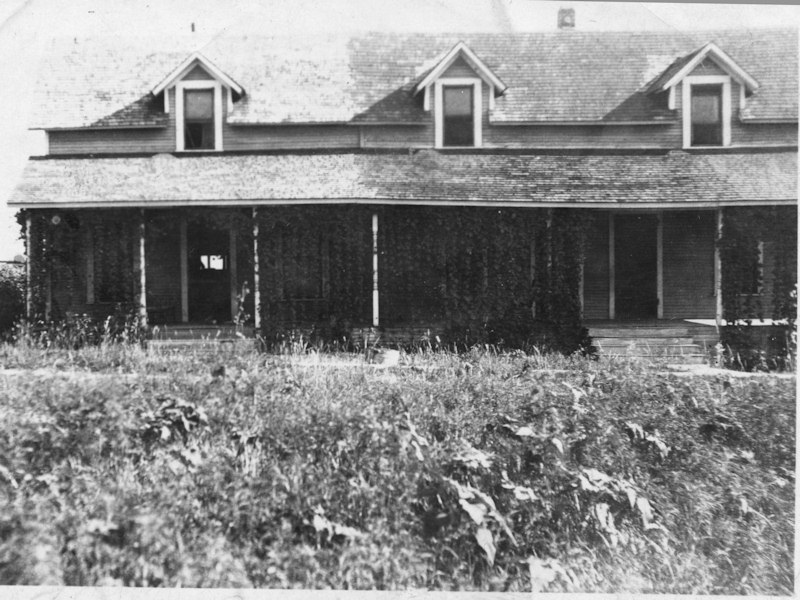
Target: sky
27,26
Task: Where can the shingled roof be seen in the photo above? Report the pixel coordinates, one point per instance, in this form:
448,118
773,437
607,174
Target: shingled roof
674,178
556,76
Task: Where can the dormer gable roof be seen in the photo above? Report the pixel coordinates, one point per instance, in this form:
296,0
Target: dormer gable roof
463,51
684,66
192,61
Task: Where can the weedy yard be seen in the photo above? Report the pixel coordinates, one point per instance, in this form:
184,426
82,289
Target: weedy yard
474,471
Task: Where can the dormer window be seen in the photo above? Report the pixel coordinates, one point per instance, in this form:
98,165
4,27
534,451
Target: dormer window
458,113
458,116
198,119
707,111
457,97
706,115
198,91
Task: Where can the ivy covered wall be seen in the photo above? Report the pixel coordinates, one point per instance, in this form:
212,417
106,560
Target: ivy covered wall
758,251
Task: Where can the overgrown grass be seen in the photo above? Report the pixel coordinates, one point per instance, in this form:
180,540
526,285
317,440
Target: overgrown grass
472,471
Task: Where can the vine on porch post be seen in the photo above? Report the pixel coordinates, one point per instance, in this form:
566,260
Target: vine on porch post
758,255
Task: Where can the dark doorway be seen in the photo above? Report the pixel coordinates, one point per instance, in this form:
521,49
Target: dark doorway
209,274
636,260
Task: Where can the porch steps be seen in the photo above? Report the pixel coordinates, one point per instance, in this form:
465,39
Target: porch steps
684,344
201,338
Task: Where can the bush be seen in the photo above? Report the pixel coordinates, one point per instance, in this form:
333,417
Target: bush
12,296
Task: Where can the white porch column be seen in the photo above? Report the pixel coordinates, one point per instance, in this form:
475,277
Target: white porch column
612,276
718,270
256,278
142,272
660,265
232,271
375,291
28,268
184,256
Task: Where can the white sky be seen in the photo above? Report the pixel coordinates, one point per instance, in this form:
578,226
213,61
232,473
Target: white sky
27,25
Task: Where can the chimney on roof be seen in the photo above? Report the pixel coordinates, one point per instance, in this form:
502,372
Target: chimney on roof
566,18
192,27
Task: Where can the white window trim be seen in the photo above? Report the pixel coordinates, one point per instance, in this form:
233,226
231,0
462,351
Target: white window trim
477,109
688,82
198,84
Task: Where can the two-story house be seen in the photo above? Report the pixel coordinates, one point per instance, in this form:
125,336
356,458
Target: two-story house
395,180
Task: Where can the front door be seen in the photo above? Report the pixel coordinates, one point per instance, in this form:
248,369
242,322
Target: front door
635,259
209,274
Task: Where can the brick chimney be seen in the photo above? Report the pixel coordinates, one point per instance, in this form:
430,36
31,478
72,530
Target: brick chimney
566,18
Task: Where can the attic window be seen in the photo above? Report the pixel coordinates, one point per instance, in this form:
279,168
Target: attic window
459,127
198,124
706,103
458,113
198,119
706,115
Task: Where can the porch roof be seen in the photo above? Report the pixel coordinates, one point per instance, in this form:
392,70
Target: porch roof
675,178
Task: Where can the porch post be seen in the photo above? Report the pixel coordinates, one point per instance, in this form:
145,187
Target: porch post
612,276
232,271
718,271
88,242
48,292
142,272
660,265
184,252
375,291
581,282
28,268
533,269
256,281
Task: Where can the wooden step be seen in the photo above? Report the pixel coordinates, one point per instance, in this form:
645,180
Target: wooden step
639,332
201,332
653,341
202,345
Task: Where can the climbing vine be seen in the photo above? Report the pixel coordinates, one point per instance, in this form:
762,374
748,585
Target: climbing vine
758,252
506,276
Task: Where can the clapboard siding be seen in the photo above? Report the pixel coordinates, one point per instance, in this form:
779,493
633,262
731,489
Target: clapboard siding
540,136
689,264
595,270
98,141
398,136
752,134
289,137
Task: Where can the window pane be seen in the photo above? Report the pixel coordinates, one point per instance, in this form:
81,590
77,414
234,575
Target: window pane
457,101
706,106
198,104
458,118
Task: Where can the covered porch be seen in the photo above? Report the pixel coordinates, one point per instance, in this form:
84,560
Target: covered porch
402,272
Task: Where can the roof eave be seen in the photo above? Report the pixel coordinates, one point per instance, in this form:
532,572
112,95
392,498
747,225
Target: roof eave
181,70
724,61
472,59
